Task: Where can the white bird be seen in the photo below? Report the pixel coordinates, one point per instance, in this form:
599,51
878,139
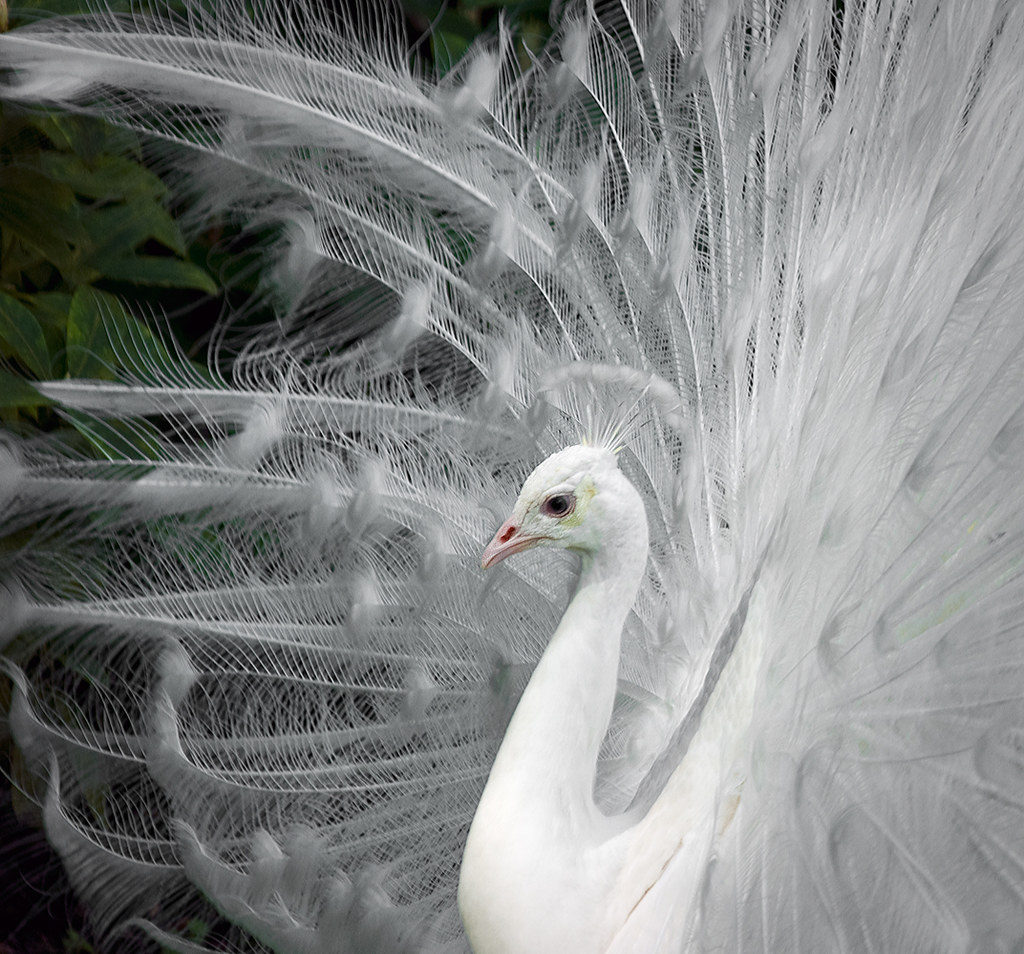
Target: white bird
545,869
542,863
747,279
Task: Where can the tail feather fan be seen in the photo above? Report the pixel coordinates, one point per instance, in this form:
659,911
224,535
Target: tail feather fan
777,246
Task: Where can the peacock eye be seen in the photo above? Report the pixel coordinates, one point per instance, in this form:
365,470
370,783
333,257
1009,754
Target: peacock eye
559,505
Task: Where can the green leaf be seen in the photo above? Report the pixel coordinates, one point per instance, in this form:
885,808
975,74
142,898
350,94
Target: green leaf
88,344
113,228
106,177
41,213
156,270
51,309
16,392
21,332
104,339
85,136
59,128
128,440
449,46
196,930
74,943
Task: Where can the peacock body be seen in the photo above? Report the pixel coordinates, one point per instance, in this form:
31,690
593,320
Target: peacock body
771,253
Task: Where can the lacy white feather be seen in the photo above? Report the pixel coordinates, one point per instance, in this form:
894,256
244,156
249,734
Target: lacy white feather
259,664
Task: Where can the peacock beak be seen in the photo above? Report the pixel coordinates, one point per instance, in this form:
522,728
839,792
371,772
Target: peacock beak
508,540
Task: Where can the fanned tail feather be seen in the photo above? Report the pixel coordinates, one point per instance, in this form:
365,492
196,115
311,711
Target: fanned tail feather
258,664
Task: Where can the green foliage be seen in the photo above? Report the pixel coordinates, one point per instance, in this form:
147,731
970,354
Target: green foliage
79,212
75,943
196,930
453,25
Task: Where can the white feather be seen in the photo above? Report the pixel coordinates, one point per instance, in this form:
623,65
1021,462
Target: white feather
793,234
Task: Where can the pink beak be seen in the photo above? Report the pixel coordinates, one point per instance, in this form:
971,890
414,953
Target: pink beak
506,542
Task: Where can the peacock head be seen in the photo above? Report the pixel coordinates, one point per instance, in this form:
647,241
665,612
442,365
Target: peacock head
577,499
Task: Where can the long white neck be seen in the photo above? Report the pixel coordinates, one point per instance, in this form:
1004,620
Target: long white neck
527,881
549,754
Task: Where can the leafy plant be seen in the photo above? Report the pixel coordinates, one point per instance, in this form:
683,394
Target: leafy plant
452,25
81,218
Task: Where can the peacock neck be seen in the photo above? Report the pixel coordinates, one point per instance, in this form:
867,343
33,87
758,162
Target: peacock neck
548,758
529,882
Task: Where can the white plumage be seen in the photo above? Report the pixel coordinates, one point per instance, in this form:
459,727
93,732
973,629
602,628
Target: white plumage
774,251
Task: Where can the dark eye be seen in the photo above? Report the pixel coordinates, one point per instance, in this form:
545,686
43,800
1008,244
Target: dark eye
560,505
